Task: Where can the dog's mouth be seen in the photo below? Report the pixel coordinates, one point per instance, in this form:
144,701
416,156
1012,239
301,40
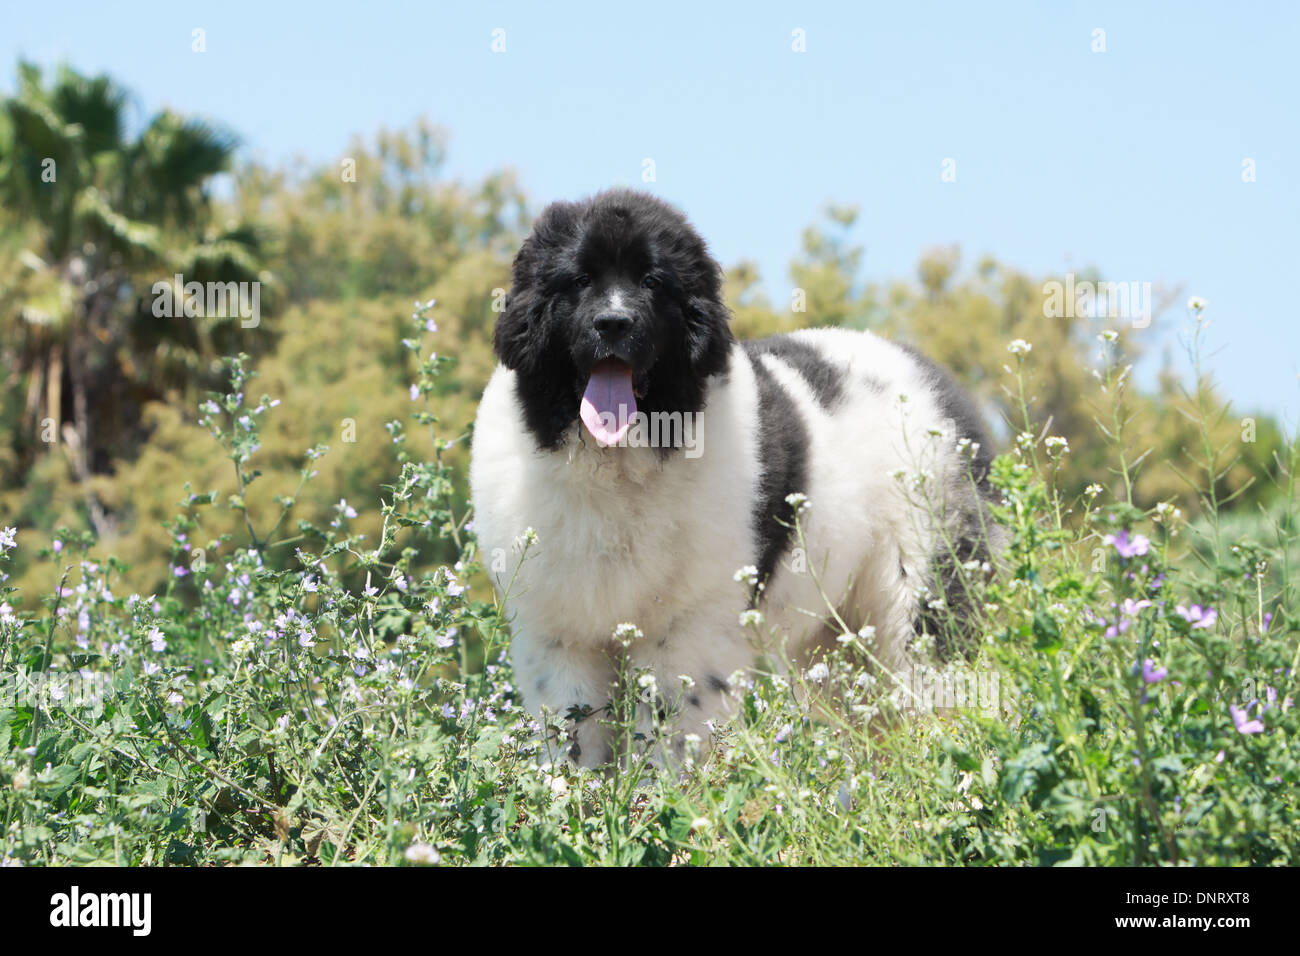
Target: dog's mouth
609,402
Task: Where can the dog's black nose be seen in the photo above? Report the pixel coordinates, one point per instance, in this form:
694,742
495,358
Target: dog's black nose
613,323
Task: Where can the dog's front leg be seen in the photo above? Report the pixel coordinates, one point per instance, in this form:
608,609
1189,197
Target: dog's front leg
571,685
692,665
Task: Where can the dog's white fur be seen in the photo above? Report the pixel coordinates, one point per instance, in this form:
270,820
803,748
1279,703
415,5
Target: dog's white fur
625,535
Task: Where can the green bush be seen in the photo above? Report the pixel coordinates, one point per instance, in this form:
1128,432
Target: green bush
303,692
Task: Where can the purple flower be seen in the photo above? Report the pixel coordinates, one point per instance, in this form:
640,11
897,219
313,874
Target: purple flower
1152,674
1243,725
1270,698
1127,548
180,570
1129,609
1198,616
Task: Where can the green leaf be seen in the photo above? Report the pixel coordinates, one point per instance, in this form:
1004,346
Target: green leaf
1047,634
54,781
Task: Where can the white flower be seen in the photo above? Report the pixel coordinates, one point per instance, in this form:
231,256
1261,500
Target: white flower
1196,304
626,633
817,673
423,854
157,641
748,574
1019,347
175,699
8,538
1055,443
454,587
687,680
701,823
1109,336
752,617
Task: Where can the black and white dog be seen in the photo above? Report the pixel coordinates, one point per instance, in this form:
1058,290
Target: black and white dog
655,457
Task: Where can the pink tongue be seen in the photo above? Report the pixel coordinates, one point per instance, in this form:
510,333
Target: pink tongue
608,403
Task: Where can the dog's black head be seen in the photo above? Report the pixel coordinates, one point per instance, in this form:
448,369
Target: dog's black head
615,302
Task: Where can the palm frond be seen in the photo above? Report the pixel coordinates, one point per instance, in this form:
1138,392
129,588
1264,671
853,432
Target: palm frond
93,103
125,235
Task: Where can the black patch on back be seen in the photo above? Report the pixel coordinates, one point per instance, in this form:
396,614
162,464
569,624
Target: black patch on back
957,405
783,458
824,377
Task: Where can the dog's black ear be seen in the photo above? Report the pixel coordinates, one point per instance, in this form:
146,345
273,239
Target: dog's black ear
708,334
519,337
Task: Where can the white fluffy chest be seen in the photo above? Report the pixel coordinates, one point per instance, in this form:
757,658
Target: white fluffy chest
624,535
614,541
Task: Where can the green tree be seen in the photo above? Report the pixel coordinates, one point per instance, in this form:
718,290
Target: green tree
93,217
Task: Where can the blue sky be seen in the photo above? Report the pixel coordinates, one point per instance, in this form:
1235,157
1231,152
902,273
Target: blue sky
1128,160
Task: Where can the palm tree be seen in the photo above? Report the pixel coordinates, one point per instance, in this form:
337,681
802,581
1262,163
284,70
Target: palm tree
92,218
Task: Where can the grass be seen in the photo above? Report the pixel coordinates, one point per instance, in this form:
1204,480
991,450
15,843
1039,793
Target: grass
1131,701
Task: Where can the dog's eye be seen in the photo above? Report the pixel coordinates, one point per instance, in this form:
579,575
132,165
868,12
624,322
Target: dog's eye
649,282
582,281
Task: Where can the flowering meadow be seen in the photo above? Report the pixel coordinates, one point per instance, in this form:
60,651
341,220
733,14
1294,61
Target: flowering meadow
301,694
